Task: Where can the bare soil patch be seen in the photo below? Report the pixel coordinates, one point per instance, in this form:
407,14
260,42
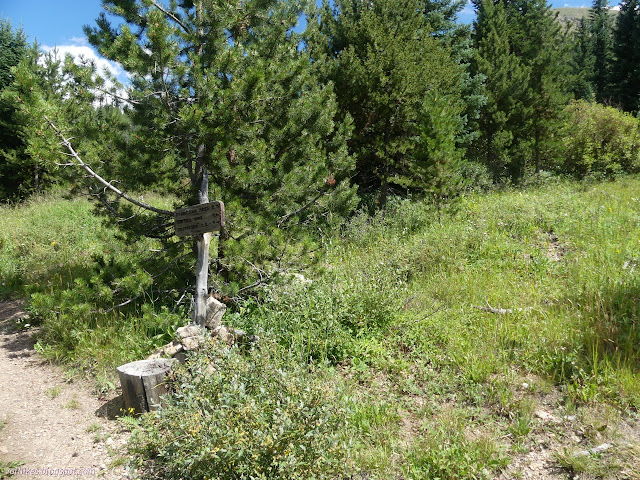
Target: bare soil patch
49,423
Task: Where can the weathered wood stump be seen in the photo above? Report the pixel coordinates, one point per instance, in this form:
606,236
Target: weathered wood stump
143,383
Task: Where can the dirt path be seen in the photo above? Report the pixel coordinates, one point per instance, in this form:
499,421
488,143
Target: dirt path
47,422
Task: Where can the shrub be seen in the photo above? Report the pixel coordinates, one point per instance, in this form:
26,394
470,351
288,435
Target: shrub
600,141
250,415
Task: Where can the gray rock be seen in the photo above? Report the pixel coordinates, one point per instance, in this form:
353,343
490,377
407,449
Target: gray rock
215,311
189,331
172,348
233,336
191,343
224,334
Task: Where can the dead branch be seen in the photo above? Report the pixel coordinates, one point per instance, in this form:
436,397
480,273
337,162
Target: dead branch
501,311
108,185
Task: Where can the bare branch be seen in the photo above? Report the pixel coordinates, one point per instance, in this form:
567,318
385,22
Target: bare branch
108,185
501,311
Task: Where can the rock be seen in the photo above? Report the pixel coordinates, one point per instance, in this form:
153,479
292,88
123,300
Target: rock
172,348
595,450
233,336
215,311
301,279
189,331
224,334
546,416
191,343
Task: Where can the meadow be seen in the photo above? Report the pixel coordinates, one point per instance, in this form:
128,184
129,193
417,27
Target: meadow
426,345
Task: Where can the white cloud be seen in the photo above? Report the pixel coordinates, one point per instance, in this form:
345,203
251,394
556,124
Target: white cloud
80,51
84,52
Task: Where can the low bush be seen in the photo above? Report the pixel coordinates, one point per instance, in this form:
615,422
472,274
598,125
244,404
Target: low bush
600,141
248,415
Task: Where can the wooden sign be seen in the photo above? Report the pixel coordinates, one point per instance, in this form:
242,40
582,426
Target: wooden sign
197,219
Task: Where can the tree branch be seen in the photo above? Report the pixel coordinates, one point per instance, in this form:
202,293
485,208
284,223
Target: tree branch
287,217
172,17
108,185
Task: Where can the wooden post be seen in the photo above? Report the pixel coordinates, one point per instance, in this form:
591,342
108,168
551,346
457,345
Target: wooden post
200,220
202,274
202,246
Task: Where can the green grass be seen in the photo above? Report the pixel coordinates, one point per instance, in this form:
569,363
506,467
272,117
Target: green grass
73,269
430,383
397,311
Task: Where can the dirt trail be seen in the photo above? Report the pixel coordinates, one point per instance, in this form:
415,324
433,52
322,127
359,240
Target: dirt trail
47,422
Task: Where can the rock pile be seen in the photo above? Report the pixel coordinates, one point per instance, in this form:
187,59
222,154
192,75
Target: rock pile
191,337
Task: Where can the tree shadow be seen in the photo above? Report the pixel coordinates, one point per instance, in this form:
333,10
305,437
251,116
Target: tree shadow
112,409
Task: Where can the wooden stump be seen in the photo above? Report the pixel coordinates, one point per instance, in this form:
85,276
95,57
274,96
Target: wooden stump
143,383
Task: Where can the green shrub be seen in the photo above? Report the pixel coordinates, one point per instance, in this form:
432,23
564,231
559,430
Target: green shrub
252,415
600,141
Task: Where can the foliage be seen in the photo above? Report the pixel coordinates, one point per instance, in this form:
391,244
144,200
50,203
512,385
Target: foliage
601,29
524,109
250,415
600,140
14,175
502,115
73,271
222,94
383,59
626,48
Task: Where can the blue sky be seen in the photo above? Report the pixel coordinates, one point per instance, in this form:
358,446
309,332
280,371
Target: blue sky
59,22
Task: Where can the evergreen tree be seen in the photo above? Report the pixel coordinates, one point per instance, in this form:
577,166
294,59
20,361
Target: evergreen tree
535,38
601,30
582,62
17,176
545,51
502,116
383,59
223,104
626,47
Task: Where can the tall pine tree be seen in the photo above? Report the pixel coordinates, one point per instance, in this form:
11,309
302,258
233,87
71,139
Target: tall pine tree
601,30
536,40
224,103
383,59
502,116
626,46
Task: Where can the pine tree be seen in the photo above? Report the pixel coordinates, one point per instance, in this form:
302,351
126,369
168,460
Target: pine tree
545,52
506,79
601,30
383,59
626,46
582,62
535,39
224,107
17,176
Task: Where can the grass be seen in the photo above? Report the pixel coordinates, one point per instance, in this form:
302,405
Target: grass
74,269
431,383
54,392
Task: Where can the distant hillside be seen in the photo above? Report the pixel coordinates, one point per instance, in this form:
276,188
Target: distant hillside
572,15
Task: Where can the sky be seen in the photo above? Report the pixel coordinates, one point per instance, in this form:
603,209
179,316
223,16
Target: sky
58,23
